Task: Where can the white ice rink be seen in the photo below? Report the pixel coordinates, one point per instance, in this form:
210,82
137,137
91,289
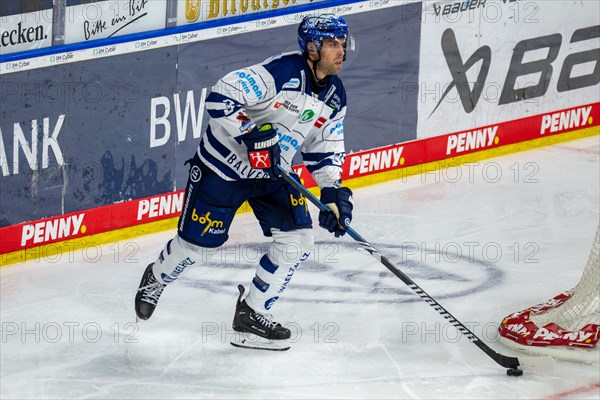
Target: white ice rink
484,239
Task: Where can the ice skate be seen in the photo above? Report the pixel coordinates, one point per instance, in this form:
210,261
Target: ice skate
147,295
257,331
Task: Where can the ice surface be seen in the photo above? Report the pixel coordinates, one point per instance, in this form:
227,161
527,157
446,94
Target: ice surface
485,239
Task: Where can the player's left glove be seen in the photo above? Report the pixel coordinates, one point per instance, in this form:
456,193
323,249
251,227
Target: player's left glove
264,152
340,202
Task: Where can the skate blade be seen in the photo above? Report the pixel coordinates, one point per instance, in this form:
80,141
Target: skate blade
254,342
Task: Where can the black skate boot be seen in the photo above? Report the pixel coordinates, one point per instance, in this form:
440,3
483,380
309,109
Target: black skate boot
256,327
148,294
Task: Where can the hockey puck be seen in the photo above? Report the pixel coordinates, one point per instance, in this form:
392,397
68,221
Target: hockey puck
514,372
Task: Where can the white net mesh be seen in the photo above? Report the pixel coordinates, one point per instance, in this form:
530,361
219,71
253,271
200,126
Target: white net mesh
584,305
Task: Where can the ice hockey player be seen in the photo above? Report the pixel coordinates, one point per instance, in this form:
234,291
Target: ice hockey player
260,117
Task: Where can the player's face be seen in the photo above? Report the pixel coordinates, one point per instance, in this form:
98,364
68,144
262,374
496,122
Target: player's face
332,56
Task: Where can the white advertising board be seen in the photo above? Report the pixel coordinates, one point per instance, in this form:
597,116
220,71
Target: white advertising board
191,11
482,62
116,49
28,31
110,18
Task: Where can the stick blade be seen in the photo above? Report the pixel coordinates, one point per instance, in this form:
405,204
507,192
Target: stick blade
536,363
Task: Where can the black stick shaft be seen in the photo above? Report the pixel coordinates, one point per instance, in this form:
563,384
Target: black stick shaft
505,361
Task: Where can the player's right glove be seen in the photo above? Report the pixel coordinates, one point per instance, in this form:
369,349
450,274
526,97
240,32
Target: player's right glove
340,202
264,152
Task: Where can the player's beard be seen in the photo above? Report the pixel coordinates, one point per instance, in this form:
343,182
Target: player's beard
331,68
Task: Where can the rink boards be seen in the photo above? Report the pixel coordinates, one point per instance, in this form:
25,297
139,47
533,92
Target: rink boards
94,140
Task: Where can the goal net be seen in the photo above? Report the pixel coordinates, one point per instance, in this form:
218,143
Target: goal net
566,326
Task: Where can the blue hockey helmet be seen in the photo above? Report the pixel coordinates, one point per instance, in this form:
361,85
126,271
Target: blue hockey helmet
315,29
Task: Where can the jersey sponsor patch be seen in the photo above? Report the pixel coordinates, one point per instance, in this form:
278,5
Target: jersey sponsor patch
307,116
291,84
288,105
320,122
247,123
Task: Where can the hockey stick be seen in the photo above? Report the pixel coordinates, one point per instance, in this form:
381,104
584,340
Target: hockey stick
515,365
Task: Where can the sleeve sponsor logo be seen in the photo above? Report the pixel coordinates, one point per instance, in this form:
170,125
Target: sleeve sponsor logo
249,84
569,119
337,130
53,229
285,141
477,139
247,123
292,84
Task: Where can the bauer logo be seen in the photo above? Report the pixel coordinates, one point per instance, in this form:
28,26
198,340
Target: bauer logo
472,140
566,120
53,229
453,8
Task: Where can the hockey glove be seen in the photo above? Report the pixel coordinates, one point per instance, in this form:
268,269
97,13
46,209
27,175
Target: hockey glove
264,152
340,202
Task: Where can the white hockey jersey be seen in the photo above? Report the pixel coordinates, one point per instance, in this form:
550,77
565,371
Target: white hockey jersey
278,92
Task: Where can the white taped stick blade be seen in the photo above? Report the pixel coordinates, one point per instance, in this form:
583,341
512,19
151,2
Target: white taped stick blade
536,363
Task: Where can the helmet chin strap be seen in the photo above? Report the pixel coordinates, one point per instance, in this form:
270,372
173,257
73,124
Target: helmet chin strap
319,83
